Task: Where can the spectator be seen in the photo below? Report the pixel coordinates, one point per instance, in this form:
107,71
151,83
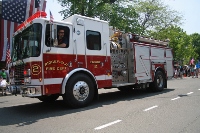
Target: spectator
7,75
188,71
175,73
192,71
181,72
3,74
3,85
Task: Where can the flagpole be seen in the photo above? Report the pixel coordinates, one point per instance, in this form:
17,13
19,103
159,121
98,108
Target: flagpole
6,56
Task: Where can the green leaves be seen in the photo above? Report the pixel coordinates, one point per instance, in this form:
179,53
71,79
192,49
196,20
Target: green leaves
146,17
180,42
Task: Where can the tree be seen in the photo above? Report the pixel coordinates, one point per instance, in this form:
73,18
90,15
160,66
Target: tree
83,7
196,43
155,15
117,13
120,16
180,42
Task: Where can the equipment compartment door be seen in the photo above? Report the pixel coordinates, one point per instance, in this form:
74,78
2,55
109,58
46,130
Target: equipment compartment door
143,64
169,61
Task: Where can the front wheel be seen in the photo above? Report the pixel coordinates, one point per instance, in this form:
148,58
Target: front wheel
159,82
79,91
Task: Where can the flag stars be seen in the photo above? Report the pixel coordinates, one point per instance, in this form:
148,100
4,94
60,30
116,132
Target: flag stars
11,8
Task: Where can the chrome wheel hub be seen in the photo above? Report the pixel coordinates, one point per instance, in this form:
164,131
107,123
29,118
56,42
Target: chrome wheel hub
160,81
81,90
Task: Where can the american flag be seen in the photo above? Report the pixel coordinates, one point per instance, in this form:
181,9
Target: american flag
9,26
51,17
8,58
14,10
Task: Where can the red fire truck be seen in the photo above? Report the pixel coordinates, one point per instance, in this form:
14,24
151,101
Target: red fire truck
96,56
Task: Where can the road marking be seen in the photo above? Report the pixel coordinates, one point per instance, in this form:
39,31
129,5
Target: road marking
190,93
175,98
151,108
106,125
199,89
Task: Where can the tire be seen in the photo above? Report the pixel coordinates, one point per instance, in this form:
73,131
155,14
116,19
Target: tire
48,99
79,91
159,82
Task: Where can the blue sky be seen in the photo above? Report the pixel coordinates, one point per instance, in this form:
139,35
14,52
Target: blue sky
189,8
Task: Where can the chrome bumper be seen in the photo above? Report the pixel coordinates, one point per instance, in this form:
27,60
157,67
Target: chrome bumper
31,91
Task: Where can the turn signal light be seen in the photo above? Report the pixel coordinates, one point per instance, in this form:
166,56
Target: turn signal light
25,72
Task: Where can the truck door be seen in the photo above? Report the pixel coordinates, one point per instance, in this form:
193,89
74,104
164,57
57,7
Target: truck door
79,42
96,46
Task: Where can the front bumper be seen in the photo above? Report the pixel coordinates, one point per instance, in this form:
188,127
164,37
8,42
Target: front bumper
31,91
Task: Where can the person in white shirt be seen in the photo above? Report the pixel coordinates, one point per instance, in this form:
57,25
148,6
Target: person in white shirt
3,85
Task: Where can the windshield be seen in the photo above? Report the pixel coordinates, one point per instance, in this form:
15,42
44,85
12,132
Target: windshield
27,43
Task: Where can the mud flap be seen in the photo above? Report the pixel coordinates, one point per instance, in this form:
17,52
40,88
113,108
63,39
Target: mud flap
165,86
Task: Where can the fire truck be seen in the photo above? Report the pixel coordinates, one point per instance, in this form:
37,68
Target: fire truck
97,56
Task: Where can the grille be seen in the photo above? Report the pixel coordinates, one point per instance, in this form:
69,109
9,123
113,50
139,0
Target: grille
19,74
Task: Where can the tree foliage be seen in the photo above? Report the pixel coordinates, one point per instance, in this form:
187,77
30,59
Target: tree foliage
155,15
145,17
180,42
120,16
196,43
88,8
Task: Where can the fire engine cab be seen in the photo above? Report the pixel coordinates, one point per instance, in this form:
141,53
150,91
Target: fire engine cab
96,56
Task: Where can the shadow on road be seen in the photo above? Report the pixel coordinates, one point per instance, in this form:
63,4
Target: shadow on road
30,113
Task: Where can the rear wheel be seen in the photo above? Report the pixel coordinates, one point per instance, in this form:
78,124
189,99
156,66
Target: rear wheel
159,82
50,98
79,91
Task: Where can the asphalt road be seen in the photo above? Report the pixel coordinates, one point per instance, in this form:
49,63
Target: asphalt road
175,110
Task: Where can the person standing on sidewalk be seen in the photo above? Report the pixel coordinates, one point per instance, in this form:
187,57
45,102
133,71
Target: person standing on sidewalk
7,75
3,85
192,71
181,72
3,74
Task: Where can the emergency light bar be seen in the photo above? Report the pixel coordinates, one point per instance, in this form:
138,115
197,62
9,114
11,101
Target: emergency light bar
38,14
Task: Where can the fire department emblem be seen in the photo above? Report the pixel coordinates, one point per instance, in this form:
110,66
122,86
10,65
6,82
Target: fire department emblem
35,69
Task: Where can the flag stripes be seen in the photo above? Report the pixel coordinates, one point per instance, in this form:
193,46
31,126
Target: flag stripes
8,58
8,27
51,17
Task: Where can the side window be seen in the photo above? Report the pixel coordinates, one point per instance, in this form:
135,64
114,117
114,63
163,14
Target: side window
93,39
62,36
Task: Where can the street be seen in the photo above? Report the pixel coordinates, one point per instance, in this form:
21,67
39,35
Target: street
174,110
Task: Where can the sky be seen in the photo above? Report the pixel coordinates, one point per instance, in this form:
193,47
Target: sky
191,12
189,8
